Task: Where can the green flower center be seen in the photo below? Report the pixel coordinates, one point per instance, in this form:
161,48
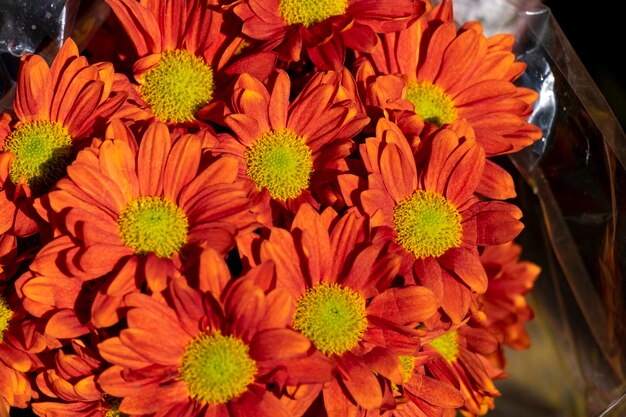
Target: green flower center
42,151
153,225
447,344
310,12
5,317
179,86
217,368
427,224
332,317
280,161
431,103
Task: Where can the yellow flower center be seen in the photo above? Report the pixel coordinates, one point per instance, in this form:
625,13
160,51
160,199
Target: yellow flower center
42,151
5,317
111,407
310,12
280,161
332,317
427,224
153,225
179,86
408,365
447,344
217,368
431,103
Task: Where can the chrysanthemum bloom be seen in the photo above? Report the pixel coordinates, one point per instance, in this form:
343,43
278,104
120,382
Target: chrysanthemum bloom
343,303
19,344
447,75
206,354
70,386
324,29
57,108
186,54
421,395
288,150
504,305
137,210
68,307
460,357
425,205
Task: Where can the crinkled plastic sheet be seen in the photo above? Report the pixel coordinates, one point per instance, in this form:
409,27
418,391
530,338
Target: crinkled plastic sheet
28,26
571,189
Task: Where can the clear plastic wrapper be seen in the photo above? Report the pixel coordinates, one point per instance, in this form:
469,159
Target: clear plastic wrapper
24,24
571,186
28,26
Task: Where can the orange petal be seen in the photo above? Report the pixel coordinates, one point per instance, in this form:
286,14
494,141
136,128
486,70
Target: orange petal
496,182
278,344
31,91
154,398
118,163
153,151
385,363
467,267
182,165
406,306
336,402
65,325
360,381
140,25
314,242
114,351
279,101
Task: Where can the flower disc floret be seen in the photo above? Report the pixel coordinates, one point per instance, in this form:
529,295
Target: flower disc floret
332,317
280,161
217,368
42,150
431,103
310,12
427,224
179,86
5,317
153,225
408,365
112,407
447,344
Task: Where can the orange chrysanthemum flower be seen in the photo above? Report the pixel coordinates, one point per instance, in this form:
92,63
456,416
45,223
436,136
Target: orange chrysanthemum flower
57,108
70,386
425,205
421,395
20,341
186,56
505,308
460,357
343,302
137,210
325,29
446,75
288,151
206,354
67,306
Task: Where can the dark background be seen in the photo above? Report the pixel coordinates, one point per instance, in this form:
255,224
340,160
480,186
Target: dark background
596,32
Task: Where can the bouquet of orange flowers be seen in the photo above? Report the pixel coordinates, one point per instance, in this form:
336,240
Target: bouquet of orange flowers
264,208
